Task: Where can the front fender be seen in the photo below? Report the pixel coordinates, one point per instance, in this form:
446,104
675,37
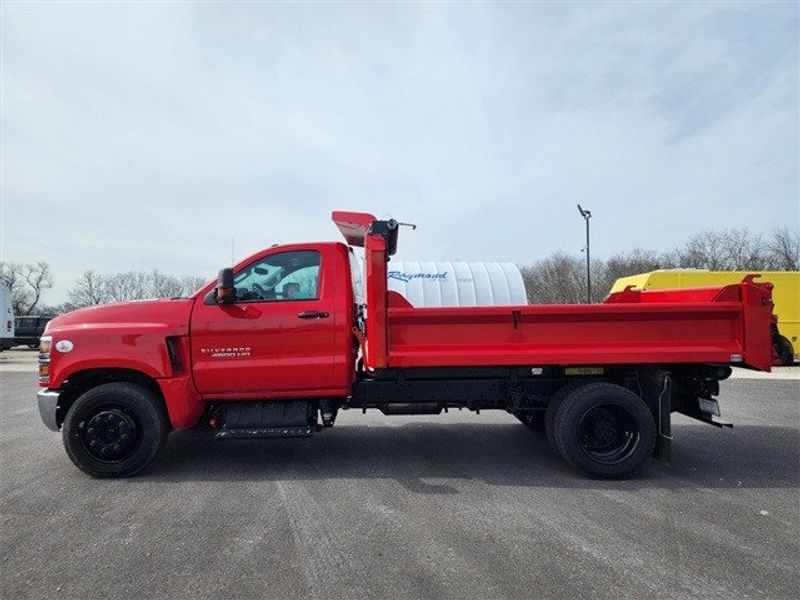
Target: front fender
141,348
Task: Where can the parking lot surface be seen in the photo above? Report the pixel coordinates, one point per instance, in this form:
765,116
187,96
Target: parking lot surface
454,506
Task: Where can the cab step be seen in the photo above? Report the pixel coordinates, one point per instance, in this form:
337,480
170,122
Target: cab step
248,433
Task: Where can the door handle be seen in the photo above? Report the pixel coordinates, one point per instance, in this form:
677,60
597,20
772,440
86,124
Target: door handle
312,314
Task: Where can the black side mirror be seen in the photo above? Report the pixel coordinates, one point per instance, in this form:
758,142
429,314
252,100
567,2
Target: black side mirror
226,293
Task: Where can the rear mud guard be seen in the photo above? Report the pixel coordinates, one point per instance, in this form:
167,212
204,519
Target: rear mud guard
656,391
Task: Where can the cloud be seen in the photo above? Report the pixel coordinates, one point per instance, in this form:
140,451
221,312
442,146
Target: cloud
141,136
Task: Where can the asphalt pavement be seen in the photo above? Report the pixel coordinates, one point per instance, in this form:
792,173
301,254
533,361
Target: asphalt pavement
453,506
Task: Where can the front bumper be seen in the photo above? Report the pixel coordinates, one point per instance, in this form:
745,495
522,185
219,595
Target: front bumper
48,405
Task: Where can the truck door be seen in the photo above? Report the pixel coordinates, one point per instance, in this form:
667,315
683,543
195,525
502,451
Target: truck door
277,338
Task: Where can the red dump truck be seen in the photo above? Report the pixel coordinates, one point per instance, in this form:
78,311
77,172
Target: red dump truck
278,345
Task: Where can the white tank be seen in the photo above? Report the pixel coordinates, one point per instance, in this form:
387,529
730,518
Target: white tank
457,284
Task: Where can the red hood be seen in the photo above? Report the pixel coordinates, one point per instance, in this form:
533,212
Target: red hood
169,316
128,335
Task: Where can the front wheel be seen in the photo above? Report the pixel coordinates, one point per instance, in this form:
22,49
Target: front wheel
604,430
115,430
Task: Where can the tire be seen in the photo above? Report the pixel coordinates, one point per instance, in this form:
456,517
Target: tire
785,352
604,431
534,420
552,406
115,430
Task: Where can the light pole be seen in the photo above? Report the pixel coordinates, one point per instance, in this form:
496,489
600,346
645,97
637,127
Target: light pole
587,214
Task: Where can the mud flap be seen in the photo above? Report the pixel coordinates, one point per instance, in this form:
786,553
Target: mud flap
656,390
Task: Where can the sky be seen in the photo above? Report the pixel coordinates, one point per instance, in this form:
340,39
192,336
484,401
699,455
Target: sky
149,135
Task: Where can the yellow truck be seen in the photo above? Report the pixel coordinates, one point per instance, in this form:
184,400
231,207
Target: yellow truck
786,295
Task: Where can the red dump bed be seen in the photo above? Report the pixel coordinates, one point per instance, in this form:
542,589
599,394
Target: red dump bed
723,325
633,330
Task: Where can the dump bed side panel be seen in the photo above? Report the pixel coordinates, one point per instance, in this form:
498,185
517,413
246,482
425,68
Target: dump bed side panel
712,325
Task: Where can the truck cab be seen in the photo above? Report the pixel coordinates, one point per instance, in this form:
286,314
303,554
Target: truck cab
285,332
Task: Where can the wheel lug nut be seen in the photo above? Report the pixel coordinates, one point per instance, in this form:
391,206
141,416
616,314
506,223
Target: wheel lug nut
116,447
124,437
93,443
90,431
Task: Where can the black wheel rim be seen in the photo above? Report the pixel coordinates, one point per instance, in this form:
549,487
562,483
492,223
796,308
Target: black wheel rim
608,434
111,433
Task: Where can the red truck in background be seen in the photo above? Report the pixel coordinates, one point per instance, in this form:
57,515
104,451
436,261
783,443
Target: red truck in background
279,345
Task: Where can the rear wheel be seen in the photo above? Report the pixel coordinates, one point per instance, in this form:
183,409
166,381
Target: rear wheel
115,430
552,407
604,431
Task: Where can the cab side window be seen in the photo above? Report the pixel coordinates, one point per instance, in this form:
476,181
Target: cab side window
280,277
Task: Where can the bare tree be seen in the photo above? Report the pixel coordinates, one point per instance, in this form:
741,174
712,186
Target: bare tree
10,275
783,250
703,251
623,264
165,286
89,290
174,286
27,283
98,288
130,285
191,283
559,278
725,250
743,250
634,262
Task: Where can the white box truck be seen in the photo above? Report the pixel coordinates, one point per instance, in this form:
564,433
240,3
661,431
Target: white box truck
7,325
